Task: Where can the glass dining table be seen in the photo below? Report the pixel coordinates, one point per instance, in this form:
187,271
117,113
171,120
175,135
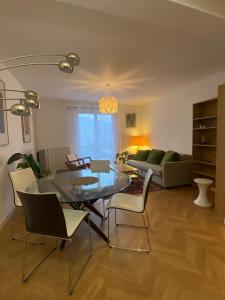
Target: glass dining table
71,188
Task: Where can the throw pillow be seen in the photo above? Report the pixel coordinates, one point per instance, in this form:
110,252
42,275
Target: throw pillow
155,156
142,155
170,156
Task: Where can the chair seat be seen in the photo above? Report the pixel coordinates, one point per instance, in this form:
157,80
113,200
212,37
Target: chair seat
73,219
127,202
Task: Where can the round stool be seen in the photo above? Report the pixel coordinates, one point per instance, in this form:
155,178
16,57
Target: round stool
203,184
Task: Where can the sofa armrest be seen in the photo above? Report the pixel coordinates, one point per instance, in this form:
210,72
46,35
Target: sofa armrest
177,173
130,156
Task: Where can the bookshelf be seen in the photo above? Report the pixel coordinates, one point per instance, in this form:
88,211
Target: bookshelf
205,139
220,155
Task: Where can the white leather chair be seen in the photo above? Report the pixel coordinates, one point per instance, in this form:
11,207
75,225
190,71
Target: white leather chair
100,165
132,203
20,179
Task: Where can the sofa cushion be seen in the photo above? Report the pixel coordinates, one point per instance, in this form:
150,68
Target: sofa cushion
142,155
170,156
155,156
144,166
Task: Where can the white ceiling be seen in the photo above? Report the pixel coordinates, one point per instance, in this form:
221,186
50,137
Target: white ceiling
144,48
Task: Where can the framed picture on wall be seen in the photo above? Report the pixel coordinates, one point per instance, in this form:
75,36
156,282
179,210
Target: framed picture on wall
26,129
4,137
130,120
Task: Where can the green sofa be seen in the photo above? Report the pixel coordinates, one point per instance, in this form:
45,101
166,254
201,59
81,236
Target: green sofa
170,169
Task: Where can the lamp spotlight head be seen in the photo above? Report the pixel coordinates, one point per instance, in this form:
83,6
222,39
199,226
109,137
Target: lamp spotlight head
20,110
73,59
32,103
66,67
31,95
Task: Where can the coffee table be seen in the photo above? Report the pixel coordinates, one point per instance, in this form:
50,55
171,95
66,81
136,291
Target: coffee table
132,172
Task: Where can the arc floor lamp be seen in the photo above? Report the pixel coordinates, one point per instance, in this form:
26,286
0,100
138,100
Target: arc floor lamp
30,98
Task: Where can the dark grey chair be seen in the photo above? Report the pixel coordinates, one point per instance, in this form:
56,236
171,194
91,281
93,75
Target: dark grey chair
44,216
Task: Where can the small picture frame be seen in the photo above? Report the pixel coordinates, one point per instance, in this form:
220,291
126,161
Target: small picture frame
130,120
4,136
25,121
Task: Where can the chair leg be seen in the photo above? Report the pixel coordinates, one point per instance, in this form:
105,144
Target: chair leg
133,225
148,223
146,232
70,284
130,249
13,225
24,276
20,238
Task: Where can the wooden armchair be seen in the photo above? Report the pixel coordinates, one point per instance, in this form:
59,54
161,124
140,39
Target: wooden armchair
74,163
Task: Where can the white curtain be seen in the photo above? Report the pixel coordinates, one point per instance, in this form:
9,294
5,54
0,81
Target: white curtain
95,135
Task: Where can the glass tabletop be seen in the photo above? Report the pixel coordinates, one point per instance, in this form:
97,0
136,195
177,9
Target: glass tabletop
108,183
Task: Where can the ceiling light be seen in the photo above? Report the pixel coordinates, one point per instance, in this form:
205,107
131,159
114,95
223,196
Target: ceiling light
108,104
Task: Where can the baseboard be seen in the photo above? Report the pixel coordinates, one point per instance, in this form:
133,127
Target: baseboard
5,218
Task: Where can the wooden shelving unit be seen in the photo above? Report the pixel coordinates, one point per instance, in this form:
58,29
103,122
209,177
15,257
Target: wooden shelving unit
205,139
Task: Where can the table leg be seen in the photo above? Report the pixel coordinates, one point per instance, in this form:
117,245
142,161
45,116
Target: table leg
92,224
97,230
94,210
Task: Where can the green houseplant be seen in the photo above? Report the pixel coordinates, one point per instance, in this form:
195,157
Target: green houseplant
28,162
122,157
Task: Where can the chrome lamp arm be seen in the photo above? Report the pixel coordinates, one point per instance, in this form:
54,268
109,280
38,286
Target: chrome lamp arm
31,97
67,66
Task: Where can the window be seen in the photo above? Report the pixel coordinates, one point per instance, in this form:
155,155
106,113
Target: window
95,136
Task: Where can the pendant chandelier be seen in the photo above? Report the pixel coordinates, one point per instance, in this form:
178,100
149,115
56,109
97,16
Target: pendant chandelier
108,104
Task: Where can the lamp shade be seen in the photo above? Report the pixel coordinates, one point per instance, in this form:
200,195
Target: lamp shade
108,105
20,110
138,140
34,104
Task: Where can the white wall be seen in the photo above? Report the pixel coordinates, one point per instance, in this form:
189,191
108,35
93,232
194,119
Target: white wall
15,145
55,123
168,120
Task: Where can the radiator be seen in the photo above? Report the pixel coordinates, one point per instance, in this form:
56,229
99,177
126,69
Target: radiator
53,159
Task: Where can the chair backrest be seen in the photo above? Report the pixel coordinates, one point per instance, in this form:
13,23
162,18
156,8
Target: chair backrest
73,166
99,165
147,184
71,157
43,214
21,179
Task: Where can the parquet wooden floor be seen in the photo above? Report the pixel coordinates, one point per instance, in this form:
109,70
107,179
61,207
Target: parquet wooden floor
187,260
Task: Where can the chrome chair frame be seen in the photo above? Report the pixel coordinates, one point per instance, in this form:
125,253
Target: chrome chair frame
53,224
133,225
130,225
71,285
16,207
146,226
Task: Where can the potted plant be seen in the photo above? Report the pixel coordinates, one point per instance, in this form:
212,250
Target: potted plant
122,157
28,162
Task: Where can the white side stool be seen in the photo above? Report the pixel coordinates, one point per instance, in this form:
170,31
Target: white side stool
203,184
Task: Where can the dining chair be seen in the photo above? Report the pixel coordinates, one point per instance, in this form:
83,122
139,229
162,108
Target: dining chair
99,165
74,163
20,180
132,203
45,217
